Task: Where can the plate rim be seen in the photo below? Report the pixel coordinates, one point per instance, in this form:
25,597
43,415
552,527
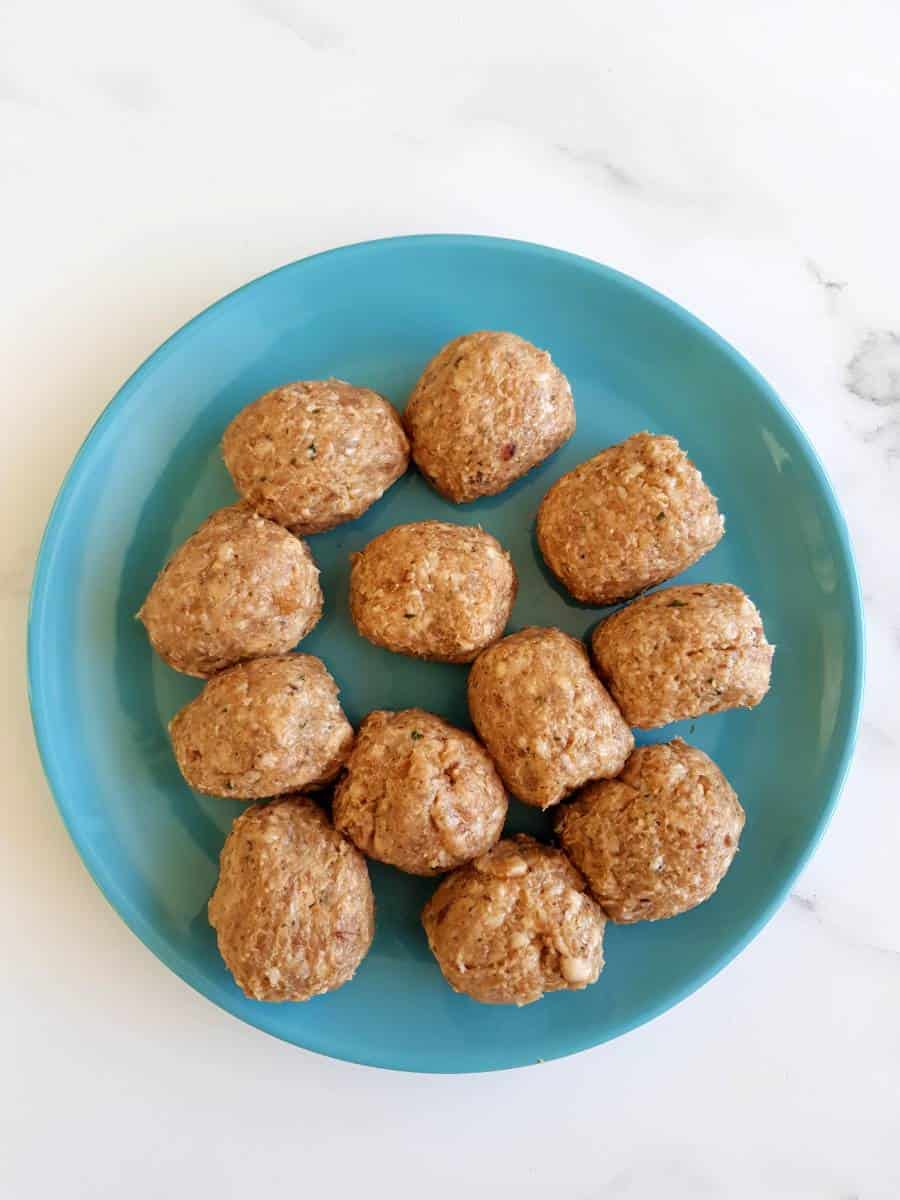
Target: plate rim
39,706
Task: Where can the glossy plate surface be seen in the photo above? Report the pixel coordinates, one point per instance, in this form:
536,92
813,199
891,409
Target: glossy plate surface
150,471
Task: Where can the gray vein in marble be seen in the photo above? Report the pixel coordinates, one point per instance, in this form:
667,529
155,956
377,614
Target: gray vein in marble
831,286
873,373
810,905
885,432
11,93
298,20
596,160
17,94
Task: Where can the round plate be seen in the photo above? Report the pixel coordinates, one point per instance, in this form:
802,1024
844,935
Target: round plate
374,314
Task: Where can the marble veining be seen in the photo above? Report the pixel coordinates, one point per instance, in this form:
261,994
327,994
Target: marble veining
873,373
302,21
597,160
810,904
832,287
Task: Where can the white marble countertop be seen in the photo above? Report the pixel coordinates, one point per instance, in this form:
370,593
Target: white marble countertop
743,158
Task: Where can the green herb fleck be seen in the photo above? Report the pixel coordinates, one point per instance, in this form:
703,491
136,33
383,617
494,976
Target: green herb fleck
416,736
409,616
677,604
311,450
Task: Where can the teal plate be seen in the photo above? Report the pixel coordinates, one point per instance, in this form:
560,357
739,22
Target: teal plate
150,471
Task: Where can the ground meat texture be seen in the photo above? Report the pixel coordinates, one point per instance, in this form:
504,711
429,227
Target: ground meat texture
515,924
488,408
432,590
293,909
263,728
546,719
682,652
419,793
658,840
238,588
627,519
313,454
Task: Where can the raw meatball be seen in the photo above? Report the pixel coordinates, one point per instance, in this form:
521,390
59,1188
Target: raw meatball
432,590
488,408
313,454
658,840
419,793
682,652
515,924
293,909
546,719
265,727
239,587
627,519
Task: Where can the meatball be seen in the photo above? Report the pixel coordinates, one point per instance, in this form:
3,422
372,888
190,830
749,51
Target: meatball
546,719
627,519
658,840
293,909
262,728
239,587
514,924
311,455
488,408
432,590
419,793
682,652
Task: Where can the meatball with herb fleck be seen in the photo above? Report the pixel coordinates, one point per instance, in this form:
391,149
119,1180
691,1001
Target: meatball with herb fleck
293,909
313,454
432,590
515,924
239,587
263,728
488,407
627,519
545,717
658,840
419,793
682,652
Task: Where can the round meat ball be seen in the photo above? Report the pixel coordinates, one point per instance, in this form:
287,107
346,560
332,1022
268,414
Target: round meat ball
313,454
432,590
658,840
682,652
263,728
514,924
545,717
419,793
293,909
239,587
625,520
488,408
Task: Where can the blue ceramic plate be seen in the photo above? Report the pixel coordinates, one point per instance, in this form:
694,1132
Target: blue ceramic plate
150,471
